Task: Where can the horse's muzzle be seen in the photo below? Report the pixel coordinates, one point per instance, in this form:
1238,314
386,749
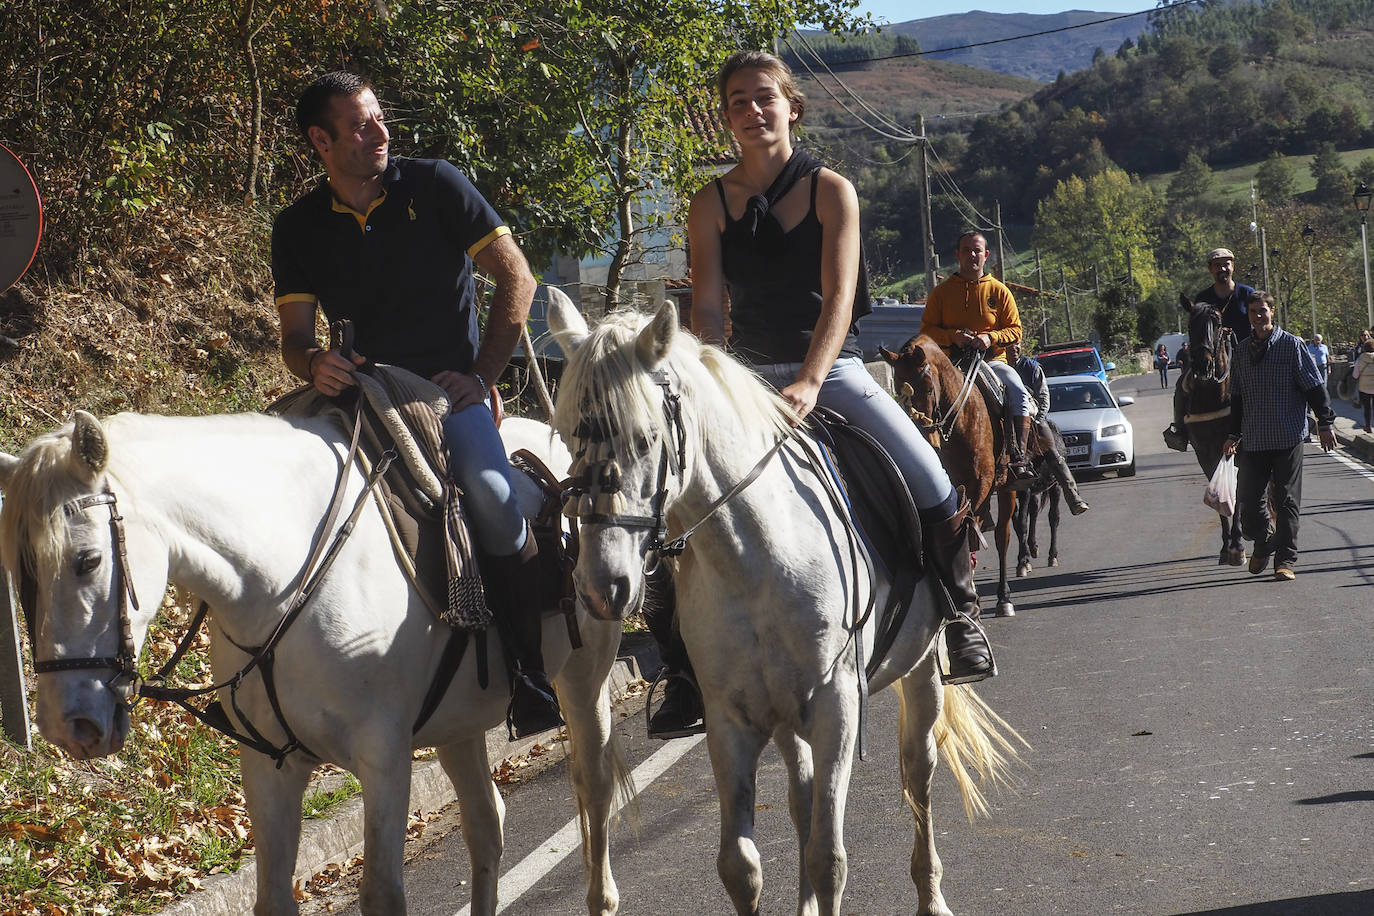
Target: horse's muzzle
94,721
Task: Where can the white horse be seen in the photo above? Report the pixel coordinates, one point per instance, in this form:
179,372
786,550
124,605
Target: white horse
227,507
666,430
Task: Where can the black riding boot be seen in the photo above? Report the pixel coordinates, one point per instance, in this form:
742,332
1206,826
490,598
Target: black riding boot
682,712
514,596
1060,469
970,656
1020,473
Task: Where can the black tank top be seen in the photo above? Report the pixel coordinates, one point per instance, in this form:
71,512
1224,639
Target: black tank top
775,296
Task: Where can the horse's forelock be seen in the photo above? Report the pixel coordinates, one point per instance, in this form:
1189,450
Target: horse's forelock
30,522
605,379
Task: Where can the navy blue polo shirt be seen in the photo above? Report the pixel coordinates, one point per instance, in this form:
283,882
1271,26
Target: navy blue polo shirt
402,271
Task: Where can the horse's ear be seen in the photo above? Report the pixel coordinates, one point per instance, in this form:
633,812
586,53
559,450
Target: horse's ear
7,465
90,449
656,339
888,356
566,323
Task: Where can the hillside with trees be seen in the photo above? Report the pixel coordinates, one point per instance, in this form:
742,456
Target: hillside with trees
1211,86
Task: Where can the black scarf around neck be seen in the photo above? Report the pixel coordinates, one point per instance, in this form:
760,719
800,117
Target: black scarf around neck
761,225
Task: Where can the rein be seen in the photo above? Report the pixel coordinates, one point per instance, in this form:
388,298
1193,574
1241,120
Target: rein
943,425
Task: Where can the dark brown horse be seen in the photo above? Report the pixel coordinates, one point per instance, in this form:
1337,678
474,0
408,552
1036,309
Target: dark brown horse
972,447
1207,385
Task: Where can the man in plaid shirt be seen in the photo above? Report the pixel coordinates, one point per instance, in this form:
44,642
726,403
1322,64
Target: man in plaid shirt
1273,381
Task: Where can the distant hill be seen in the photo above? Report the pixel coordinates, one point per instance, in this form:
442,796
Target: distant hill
1041,58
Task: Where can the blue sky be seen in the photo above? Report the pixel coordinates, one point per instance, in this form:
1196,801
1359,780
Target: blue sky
905,10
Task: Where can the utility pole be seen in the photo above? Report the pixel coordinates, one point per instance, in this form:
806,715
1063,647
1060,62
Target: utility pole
1064,291
1264,257
927,249
1001,258
1040,295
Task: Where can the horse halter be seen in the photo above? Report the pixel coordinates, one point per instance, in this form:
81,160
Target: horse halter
593,496
1215,344
125,664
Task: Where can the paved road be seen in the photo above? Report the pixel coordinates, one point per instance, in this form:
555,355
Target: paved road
1203,740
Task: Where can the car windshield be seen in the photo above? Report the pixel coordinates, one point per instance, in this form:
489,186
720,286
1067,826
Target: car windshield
1079,396
1081,363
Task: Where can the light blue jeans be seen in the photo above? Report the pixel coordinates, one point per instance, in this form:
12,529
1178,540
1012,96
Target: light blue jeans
481,469
850,391
1018,398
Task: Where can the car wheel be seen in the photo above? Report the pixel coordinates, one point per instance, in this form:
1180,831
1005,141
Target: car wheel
1128,470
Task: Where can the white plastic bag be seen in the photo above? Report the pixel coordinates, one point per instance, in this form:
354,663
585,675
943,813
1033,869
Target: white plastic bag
1221,489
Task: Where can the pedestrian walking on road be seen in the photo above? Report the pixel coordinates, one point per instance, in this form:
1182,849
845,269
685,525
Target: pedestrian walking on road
1364,378
1274,382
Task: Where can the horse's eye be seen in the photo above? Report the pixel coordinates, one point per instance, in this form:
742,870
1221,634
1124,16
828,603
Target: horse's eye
87,561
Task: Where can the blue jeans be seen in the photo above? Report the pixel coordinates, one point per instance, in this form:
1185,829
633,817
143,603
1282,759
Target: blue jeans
850,391
1018,398
481,469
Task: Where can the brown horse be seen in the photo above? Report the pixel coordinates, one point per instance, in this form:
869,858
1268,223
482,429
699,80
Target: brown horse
971,444
1207,385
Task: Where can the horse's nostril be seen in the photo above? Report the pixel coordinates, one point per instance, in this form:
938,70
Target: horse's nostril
86,734
619,593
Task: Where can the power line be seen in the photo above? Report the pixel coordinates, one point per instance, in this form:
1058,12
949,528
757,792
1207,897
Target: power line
995,41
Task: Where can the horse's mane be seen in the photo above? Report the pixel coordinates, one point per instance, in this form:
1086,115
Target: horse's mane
606,379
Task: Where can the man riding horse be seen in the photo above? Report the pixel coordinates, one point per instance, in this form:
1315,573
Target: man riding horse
1034,377
974,311
1229,296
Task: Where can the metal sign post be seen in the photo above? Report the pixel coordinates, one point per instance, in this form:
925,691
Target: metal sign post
14,707
21,227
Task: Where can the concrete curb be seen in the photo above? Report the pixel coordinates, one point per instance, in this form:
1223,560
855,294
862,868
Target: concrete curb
338,838
1354,439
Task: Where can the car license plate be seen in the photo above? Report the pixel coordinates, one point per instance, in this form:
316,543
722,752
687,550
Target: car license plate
1074,450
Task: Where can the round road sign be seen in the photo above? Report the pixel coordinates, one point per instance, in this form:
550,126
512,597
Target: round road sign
21,219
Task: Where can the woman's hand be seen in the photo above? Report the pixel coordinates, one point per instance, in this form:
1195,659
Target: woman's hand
801,397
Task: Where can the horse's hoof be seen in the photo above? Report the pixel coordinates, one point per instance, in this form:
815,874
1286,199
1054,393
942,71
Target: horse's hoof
1237,557
1023,570
1054,561
1225,558
1005,609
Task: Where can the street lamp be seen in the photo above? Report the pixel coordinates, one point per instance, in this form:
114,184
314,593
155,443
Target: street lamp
1363,196
1309,238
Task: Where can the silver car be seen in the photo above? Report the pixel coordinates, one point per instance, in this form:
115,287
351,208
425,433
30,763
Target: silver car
1097,435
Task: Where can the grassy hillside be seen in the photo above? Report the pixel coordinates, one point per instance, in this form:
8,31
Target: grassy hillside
1234,182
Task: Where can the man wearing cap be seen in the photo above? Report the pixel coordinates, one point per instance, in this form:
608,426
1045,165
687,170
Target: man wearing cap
1273,383
1230,297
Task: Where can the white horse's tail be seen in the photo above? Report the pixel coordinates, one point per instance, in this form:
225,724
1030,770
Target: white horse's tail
971,736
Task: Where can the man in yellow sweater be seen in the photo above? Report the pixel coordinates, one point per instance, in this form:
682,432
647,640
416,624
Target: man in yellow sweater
971,310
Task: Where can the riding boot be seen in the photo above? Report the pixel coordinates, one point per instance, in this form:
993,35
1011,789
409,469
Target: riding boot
1020,473
517,602
682,712
970,656
1060,469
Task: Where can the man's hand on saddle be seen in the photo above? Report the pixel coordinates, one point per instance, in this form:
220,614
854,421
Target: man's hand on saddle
463,389
965,338
331,372
801,397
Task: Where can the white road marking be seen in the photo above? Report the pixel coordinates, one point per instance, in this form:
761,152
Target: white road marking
555,849
1359,467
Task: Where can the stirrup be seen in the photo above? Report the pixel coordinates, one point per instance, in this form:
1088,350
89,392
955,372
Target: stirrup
540,713
949,679
663,734
1020,476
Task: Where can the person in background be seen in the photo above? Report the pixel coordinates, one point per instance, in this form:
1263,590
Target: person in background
1273,383
1184,359
1321,355
1363,372
1034,378
1162,364
389,243
1231,297
973,310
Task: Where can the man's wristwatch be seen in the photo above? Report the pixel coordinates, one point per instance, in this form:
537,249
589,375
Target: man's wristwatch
481,381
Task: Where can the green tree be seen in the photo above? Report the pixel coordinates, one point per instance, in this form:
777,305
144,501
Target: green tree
1274,179
1108,220
1334,183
